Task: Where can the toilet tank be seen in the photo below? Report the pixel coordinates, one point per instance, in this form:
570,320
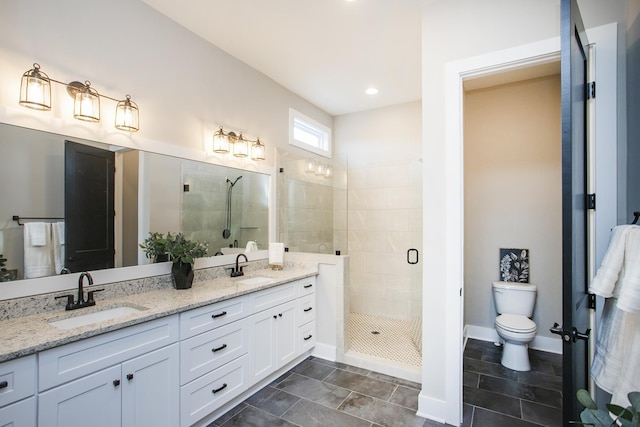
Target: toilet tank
514,298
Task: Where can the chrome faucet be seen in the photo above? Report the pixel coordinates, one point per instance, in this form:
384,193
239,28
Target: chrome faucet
238,270
81,302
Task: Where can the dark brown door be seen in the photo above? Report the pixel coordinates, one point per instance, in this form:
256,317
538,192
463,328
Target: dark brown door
88,207
575,299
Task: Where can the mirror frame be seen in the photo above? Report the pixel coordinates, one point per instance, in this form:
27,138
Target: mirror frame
26,287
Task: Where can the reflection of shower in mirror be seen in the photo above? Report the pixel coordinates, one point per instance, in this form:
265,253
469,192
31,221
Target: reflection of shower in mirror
226,233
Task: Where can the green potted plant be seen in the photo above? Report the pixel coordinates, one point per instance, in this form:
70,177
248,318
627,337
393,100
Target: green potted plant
155,247
5,276
183,252
625,417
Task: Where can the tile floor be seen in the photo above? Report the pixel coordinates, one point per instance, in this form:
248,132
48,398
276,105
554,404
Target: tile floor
321,393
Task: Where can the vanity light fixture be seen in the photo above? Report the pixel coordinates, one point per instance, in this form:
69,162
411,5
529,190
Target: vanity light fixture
310,166
35,92
237,144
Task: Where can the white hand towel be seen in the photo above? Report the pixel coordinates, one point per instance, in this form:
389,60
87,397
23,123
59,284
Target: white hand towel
38,260
251,246
36,233
276,254
629,283
58,246
605,281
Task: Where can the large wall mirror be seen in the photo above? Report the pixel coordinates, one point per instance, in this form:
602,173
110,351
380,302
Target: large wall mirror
224,206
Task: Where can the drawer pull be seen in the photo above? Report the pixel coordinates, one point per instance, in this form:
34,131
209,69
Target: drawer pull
307,338
222,347
215,316
116,383
307,286
4,384
129,377
214,391
308,309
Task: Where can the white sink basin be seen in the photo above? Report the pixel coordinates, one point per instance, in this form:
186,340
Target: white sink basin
256,281
95,317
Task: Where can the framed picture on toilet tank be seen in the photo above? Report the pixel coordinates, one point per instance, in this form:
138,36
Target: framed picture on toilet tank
514,265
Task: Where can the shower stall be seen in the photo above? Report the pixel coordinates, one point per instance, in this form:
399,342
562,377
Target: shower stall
372,211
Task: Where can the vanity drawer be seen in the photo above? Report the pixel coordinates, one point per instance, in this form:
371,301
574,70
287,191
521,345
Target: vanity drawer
271,297
17,379
206,352
68,362
21,414
307,336
306,309
204,395
194,322
307,285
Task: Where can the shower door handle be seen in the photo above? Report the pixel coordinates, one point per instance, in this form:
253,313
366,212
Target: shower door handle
409,257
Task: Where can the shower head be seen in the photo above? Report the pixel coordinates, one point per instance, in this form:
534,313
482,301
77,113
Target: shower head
234,182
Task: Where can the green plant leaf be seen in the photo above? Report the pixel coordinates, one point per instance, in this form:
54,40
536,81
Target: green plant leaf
634,398
585,399
619,411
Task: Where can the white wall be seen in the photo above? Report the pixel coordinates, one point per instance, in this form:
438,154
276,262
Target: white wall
513,190
453,31
384,208
185,87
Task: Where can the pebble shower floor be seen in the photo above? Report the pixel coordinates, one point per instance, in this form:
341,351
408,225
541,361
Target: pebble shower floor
392,342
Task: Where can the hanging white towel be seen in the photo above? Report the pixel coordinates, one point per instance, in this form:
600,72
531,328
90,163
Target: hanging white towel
276,254
629,282
38,260
605,281
36,233
58,246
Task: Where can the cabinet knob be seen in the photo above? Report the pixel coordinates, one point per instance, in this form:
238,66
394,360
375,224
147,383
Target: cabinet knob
129,377
275,317
279,314
4,384
116,383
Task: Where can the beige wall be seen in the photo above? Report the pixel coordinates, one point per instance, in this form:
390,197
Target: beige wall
512,188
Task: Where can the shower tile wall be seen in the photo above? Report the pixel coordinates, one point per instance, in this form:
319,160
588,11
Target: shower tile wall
384,202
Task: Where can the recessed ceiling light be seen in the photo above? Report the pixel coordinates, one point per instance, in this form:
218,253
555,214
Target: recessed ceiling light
371,91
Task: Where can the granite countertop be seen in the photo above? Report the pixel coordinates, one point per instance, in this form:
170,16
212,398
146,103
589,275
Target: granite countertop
29,334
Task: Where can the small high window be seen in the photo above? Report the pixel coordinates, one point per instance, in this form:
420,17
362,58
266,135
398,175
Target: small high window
308,134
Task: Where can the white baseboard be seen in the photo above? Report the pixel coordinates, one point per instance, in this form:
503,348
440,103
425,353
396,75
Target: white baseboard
551,345
432,409
325,351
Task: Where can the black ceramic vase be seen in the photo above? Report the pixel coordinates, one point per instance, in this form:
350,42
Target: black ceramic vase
182,275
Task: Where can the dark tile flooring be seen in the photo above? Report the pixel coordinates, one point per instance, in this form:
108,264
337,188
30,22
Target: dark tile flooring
497,396
321,393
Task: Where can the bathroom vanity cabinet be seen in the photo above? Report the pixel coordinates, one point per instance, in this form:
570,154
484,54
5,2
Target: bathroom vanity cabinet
128,377
176,370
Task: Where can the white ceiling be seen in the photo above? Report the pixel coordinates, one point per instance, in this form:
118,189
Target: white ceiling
326,51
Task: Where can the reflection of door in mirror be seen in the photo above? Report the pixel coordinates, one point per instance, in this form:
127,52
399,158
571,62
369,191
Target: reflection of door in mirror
89,207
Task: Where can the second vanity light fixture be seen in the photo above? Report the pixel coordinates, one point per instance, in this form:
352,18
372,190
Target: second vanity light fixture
35,92
238,145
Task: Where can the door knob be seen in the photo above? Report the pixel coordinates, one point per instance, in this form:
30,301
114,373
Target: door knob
580,336
557,329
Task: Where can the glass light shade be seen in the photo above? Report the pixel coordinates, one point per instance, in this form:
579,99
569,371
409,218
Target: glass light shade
127,117
320,169
220,142
87,104
35,89
240,147
328,172
310,166
257,150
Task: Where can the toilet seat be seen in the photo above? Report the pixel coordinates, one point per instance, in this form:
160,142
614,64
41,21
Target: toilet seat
516,323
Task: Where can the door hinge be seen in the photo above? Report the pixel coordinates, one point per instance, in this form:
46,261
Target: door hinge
591,90
591,201
592,301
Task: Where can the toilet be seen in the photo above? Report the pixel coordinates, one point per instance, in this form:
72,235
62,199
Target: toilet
514,304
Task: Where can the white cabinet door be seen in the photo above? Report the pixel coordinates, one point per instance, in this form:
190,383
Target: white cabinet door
93,401
273,339
263,358
286,333
20,414
150,389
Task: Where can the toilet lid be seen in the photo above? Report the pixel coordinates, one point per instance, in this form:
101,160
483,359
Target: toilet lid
515,323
